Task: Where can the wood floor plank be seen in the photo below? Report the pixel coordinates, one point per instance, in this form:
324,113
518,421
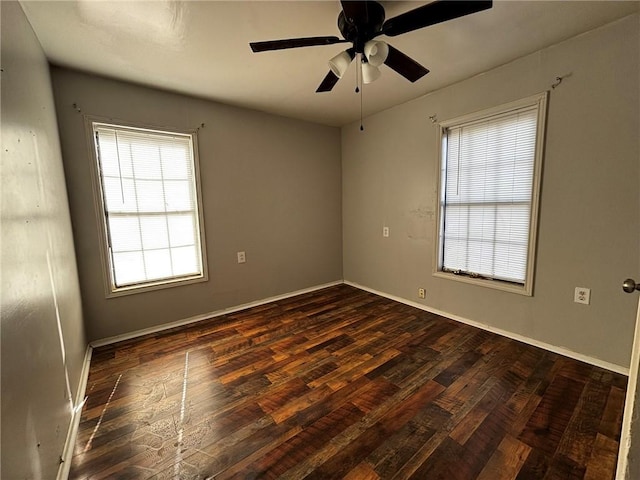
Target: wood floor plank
340,383
486,438
535,467
602,464
611,421
426,453
547,424
294,452
371,438
506,461
403,444
362,471
439,465
563,468
581,432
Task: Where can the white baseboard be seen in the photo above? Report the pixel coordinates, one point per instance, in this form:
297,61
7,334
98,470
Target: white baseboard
205,316
76,413
515,336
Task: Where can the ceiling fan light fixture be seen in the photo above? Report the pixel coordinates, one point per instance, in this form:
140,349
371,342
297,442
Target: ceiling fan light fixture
340,63
376,52
370,73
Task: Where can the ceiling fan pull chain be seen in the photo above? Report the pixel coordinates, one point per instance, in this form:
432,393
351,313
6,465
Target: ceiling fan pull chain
357,73
361,95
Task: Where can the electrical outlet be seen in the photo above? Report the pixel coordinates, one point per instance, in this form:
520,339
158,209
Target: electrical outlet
422,293
241,257
582,295
385,231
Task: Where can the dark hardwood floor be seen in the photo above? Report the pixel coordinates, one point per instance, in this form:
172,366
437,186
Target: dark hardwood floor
343,384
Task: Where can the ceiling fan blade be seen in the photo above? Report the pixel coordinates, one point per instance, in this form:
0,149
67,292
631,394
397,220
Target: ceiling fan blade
328,83
355,11
404,65
293,43
432,13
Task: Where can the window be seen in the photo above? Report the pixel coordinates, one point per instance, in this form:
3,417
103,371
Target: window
149,201
488,199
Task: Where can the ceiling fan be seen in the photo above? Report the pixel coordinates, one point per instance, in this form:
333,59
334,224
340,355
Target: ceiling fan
360,22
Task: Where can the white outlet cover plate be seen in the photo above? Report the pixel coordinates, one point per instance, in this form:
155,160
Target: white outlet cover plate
385,231
582,295
241,257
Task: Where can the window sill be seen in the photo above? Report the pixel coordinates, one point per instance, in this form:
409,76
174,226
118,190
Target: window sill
149,287
483,282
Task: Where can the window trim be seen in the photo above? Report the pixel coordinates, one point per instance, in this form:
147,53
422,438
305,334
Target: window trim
539,101
110,289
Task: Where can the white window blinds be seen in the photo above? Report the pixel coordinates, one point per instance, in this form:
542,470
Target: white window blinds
486,196
150,204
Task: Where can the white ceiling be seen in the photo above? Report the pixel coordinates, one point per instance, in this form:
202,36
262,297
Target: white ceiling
201,48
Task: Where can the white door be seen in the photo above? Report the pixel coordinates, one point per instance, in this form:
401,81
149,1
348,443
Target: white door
629,452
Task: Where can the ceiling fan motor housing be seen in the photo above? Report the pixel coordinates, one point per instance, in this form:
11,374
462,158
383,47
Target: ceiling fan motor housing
360,30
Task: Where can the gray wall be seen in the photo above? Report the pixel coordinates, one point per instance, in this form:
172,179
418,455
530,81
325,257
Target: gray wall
589,218
271,187
43,342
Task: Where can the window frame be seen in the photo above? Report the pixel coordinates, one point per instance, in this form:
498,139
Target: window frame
540,102
111,290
